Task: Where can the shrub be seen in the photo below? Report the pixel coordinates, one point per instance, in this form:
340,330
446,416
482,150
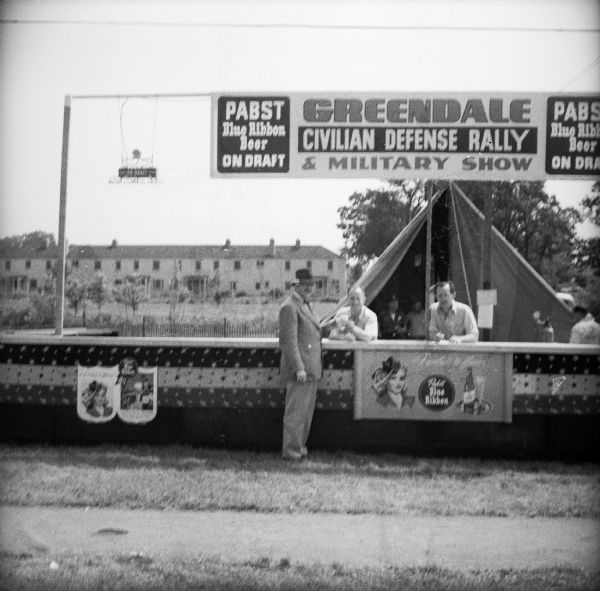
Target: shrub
14,318
103,320
41,310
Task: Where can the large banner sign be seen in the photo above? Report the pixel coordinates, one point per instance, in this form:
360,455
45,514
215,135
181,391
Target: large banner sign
467,136
432,386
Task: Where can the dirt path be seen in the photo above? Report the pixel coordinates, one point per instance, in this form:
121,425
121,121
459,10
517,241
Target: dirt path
352,540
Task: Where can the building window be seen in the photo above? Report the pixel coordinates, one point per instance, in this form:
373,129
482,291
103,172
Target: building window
288,265
308,264
33,284
260,263
215,265
156,265
233,286
75,263
237,265
97,265
157,284
288,285
330,265
7,265
117,265
28,264
118,282
267,283
136,265
257,285
48,265
198,265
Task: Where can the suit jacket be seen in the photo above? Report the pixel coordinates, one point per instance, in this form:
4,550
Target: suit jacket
391,328
299,339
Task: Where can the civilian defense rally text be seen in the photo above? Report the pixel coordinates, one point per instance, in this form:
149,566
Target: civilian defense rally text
469,136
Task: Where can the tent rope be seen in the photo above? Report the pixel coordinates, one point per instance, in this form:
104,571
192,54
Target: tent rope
460,250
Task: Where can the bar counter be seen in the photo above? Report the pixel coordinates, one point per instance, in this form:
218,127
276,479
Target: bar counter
407,396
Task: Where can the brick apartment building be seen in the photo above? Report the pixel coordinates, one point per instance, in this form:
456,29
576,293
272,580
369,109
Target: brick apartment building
203,269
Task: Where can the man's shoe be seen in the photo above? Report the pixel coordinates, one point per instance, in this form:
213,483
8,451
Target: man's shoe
303,451
292,456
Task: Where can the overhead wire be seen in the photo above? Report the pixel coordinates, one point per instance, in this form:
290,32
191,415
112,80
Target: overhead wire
311,26
124,151
581,73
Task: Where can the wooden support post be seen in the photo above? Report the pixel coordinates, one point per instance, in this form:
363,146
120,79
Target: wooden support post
428,189
59,313
487,250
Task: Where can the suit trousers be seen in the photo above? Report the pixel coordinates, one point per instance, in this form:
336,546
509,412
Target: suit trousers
300,400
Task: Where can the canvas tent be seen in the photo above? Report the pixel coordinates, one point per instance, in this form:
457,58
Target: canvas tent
457,254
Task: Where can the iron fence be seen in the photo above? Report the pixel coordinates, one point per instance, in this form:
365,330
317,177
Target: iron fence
147,326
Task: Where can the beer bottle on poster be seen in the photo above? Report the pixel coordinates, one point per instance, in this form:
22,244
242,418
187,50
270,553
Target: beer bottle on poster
469,393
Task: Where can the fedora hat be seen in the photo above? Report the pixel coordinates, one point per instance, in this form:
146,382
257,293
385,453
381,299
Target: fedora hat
304,276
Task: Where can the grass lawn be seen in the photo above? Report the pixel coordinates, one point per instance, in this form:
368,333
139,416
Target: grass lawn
126,572
179,477
182,477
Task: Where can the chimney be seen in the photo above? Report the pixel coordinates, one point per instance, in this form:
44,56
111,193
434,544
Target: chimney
297,243
227,243
272,247
113,244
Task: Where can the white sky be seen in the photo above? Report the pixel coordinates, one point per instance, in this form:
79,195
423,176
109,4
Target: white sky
41,62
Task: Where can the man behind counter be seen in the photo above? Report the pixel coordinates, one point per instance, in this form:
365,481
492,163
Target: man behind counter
355,322
450,320
391,321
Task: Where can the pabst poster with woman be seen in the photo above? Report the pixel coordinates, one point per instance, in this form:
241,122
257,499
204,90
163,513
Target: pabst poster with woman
431,385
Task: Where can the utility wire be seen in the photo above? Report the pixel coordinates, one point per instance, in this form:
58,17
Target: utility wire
586,69
362,27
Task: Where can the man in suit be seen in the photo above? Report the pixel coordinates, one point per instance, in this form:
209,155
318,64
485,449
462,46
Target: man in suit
301,365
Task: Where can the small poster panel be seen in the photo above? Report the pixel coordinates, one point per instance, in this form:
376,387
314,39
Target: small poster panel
137,401
431,385
97,393
573,132
253,134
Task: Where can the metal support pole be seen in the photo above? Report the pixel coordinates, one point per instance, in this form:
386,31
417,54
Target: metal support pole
428,190
62,216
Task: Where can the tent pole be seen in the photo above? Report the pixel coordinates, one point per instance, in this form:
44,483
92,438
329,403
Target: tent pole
487,249
428,190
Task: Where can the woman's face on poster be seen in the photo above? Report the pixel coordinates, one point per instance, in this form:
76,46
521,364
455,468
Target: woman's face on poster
100,397
396,382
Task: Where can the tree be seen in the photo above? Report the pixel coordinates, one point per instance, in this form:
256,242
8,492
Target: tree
98,291
177,293
587,254
591,204
533,222
214,285
37,240
42,310
131,293
374,218
75,294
